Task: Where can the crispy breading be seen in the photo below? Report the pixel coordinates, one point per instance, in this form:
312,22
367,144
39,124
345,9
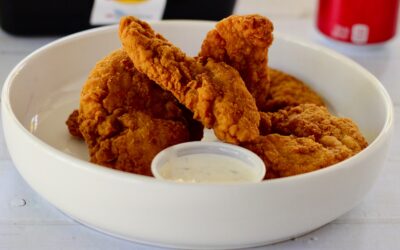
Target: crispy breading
73,124
305,138
287,155
311,120
286,91
213,91
242,42
126,119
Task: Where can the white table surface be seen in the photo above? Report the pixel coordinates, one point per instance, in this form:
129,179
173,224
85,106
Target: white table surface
29,222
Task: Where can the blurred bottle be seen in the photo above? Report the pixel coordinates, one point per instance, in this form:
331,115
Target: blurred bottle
359,22
27,17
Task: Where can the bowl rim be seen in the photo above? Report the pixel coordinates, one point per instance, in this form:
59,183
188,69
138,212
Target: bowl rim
131,177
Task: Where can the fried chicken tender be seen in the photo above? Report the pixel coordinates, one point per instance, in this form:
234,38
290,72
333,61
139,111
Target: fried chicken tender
213,91
287,91
242,42
304,138
287,155
311,120
126,119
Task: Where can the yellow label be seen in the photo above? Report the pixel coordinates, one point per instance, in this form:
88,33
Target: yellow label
110,11
130,1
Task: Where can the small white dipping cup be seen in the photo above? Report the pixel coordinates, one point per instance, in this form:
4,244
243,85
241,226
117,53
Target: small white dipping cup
211,156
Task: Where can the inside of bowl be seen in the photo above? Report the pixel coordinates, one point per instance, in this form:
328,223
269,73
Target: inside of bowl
49,82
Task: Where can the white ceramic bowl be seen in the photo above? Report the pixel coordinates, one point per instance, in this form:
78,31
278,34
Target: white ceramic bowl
43,89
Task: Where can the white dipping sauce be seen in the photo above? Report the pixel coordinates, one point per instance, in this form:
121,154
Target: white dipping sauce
207,162
207,168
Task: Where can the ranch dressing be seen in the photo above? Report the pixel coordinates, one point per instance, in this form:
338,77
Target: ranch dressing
207,162
207,168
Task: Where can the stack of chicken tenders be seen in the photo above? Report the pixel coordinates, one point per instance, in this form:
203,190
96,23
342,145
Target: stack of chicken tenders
150,95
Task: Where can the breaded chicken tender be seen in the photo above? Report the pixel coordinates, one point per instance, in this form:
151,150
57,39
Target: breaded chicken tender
242,42
287,91
304,138
311,120
126,119
287,155
213,91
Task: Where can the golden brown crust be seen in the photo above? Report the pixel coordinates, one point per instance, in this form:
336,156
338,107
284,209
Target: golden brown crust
305,138
242,42
287,155
126,119
214,92
287,91
73,124
311,120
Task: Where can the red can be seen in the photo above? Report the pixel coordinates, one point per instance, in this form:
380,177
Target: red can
358,21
